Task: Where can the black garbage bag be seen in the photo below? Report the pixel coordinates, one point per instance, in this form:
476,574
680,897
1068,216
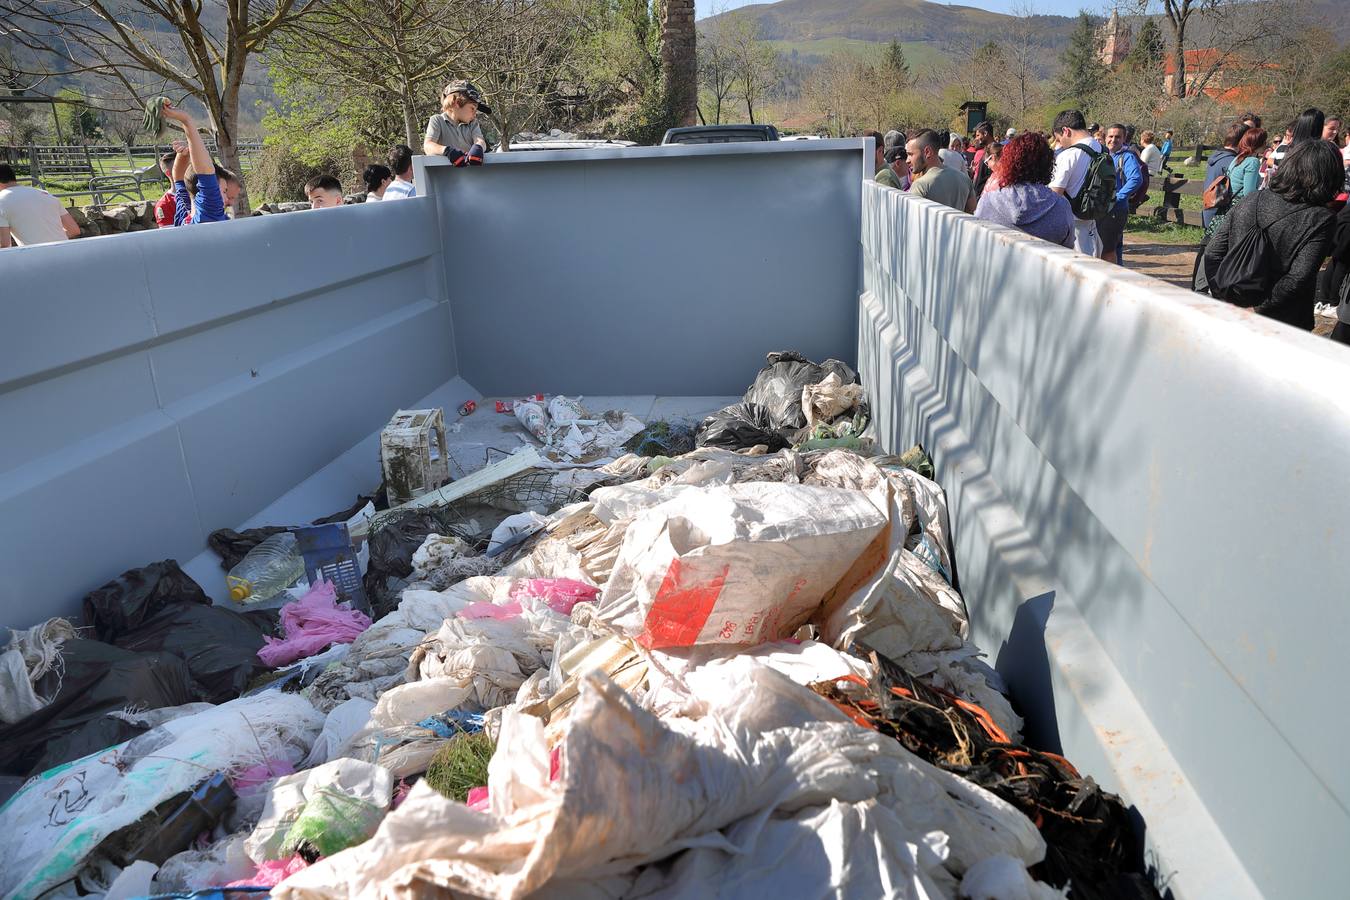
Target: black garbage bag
159,608
778,386
771,411
232,546
391,552
738,426
220,646
93,679
123,604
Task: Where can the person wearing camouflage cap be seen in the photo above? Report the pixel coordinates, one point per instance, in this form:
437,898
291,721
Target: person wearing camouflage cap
454,132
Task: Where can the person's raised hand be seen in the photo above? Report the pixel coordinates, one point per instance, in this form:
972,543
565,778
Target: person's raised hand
180,146
181,116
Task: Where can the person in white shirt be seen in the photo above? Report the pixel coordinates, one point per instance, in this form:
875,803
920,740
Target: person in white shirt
1149,154
31,216
400,163
952,156
1071,167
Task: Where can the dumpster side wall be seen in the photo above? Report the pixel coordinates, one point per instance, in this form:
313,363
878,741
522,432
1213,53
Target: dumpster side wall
649,270
1149,514
159,385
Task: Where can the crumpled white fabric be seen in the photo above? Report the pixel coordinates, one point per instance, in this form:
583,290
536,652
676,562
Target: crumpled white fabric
28,656
633,789
378,658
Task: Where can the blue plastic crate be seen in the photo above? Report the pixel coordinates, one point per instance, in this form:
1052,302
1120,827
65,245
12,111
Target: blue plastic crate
329,556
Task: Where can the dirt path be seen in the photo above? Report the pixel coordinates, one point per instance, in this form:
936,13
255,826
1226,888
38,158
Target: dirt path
1173,263
1170,262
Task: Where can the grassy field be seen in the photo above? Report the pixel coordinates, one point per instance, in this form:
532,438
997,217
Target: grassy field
1157,232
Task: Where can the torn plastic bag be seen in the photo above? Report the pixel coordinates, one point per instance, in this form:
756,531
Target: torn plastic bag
69,811
1005,878
345,720
324,809
93,680
764,746
737,564
216,864
831,398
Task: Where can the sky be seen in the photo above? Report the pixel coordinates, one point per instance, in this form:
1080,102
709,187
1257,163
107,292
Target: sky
1045,7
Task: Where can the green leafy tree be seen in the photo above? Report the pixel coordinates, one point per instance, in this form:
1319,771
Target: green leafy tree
1149,47
1082,73
79,122
894,66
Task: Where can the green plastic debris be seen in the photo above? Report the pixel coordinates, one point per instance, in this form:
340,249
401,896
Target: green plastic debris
331,821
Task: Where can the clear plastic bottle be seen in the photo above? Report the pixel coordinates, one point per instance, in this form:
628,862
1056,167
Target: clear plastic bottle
267,570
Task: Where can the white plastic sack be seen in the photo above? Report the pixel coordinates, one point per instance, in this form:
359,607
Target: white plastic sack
67,811
369,784
1005,878
633,789
408,704
345,720
737,564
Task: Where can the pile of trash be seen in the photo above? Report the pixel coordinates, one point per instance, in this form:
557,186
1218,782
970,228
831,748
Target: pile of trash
734,670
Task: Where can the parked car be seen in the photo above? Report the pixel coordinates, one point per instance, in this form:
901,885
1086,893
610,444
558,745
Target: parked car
719,134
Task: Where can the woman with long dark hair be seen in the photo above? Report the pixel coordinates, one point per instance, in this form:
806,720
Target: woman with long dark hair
1295,217
1024,199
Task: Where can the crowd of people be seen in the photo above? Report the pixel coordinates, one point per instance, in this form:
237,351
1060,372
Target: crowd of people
1277,225
1271,209
201,191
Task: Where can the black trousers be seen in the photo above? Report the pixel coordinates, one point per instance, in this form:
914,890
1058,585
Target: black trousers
1341,333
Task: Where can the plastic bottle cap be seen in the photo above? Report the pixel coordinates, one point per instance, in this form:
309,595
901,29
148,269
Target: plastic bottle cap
239,592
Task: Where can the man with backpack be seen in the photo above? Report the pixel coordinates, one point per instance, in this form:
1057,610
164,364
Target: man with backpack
1085,174
1130,184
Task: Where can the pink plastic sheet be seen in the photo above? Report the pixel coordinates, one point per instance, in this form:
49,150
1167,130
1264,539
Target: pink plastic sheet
477,799
561,594
248,780
311,624
485,610
272,872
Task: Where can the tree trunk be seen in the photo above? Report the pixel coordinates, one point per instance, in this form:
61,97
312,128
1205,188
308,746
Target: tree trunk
227,134
679,60
409,123
1179,60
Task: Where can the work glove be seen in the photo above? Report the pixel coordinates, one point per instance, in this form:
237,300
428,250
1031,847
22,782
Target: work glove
456,157
475,157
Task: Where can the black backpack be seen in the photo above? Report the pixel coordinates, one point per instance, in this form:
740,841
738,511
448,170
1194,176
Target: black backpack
1245,274
1097,197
